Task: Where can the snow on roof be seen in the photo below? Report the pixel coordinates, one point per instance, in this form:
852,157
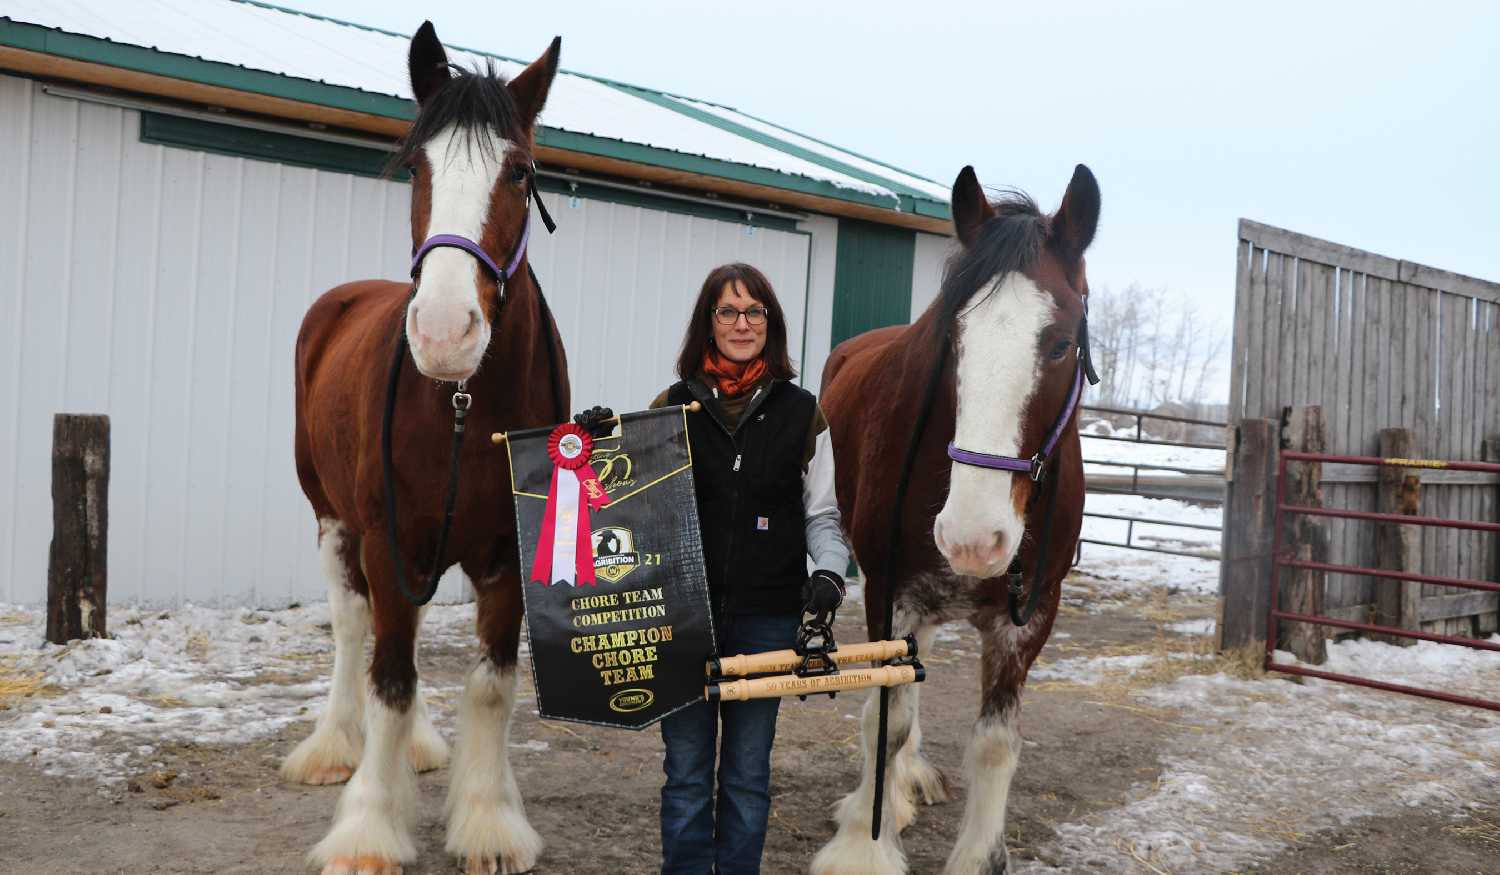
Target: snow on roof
311,49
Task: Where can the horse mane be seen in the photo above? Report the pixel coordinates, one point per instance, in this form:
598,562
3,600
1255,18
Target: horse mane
1009,242
478,102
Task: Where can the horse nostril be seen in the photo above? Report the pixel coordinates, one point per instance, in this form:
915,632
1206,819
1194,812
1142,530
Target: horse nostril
474,320
999,547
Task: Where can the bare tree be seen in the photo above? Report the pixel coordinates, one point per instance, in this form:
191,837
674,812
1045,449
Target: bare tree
1151,349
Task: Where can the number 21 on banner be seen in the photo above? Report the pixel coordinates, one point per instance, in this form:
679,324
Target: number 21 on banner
650,558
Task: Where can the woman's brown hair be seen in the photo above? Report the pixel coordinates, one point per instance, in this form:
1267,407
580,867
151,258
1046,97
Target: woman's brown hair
700,331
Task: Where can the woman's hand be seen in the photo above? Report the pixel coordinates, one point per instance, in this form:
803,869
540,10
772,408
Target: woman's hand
822,594
592,420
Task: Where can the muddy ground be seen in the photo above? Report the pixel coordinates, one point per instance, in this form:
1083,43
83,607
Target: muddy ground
592,793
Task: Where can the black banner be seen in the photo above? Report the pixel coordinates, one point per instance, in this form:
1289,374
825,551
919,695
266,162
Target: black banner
629,649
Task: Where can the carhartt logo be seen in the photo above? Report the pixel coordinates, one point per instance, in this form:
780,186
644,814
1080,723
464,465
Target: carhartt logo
762,523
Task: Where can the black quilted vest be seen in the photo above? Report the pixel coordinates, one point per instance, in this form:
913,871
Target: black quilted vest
749,485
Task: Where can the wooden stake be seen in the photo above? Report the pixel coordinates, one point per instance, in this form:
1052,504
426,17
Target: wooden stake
1302,589
77,568
1249,511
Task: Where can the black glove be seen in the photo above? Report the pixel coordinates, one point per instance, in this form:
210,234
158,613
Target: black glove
592,420
822,594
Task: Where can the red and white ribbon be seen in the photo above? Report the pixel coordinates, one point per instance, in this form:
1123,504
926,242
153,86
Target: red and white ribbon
563,552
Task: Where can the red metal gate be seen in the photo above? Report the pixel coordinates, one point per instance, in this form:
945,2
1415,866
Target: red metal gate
1280,561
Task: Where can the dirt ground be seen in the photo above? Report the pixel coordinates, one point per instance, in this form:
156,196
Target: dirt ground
592,793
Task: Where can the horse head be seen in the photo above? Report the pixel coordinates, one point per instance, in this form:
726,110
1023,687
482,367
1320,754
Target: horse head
1015,295
469,153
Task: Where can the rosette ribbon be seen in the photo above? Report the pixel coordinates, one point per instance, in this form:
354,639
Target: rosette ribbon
563,552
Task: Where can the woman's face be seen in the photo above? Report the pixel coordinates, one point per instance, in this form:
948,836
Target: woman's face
739,341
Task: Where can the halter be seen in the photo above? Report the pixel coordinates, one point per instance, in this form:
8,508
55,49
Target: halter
462,400
457,241
1036,466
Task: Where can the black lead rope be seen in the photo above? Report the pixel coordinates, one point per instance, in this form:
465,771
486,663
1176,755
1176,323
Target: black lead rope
461,402
891,563
1014,582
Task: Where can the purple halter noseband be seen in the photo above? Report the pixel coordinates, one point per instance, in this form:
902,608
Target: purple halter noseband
1035,466
454,241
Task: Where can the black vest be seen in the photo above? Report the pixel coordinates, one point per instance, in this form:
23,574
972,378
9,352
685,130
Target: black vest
749,485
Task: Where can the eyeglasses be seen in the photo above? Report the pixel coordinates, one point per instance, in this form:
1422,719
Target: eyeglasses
729,315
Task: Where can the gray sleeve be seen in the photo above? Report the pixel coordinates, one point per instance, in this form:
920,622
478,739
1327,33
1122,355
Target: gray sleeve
825,532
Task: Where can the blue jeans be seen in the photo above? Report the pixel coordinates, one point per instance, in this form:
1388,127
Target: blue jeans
693,840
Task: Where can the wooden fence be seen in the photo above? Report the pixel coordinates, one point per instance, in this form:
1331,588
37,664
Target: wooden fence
1377,343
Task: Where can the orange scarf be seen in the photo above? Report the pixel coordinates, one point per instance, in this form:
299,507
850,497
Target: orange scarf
734,378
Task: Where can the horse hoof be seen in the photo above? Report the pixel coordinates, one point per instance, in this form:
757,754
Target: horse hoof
489,866
428,751
327,775
362,865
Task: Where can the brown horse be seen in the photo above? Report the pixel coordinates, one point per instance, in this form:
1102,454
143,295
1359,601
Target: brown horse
472,315
1004,338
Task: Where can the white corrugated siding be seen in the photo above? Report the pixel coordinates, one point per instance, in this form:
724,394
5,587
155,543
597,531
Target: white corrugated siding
165,287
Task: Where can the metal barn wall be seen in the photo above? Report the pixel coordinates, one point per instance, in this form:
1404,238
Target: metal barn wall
1378,343
165,286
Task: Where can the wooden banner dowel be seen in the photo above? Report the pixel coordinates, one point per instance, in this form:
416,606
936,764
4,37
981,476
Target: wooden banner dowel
500,437
784,661
791,685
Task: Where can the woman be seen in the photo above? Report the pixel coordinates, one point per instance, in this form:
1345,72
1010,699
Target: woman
763,470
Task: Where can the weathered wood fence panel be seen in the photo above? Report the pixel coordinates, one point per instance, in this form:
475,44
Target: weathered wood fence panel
77,567
1378,343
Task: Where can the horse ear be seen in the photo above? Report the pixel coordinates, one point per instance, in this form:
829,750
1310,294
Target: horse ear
530,87
1074,223
427,63
971,209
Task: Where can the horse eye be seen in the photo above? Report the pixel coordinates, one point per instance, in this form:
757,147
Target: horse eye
518,173
1060,349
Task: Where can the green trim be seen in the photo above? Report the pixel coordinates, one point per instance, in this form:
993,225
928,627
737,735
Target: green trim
567,188
704,166
286,148
109,53
32,37
906,195
242,142
871,278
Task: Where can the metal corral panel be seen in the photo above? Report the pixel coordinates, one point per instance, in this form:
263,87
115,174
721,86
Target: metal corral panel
164,287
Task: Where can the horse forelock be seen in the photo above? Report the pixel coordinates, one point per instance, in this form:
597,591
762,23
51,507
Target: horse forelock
476,103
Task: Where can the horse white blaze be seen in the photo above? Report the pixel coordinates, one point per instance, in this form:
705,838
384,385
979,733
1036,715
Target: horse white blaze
330,754
979,528
445,322
486,818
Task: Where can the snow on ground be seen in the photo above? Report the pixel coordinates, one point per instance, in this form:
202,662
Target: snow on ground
222,676
1267,760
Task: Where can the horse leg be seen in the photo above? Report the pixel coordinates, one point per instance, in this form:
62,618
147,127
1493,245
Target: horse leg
329,755
428,749
486,818
851,851
993,753
915,776
371,831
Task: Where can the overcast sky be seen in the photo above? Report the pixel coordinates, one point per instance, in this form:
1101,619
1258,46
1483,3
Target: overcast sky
1374,124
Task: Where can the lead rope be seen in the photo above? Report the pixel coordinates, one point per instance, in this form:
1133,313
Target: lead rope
461,403
891,563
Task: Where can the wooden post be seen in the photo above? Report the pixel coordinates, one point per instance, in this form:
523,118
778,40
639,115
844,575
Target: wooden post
1398,548
77,573
1307,537
1249,513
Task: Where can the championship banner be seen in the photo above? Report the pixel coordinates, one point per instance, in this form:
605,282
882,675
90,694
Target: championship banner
612,569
